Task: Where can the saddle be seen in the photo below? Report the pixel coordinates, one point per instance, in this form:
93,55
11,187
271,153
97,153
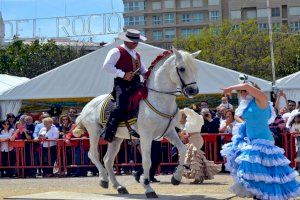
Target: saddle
109,104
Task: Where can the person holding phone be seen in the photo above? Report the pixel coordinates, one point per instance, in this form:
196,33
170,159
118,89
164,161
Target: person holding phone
259,168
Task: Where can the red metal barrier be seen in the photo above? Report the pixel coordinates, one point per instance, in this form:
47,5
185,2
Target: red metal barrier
293,148
30,155
212,145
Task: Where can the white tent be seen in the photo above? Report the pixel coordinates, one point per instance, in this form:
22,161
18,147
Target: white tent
85,77
290,85
7,82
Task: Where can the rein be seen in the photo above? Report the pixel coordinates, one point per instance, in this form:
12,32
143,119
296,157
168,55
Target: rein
170,117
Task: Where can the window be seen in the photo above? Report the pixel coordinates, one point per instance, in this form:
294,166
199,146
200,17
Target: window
263,26
169,4
251,14
156,19
198,17
275,12
186,32
156,5
169,18
276,26
197,3
214,15
185,18
136,20
136,5
185,4
169,33
262,12
213,2
294,10
192,17
295,26
235,14
157,35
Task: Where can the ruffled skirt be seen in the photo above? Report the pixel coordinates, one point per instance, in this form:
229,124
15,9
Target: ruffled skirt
200,168
260,169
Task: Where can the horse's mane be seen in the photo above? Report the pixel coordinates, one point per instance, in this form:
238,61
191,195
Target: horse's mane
168,56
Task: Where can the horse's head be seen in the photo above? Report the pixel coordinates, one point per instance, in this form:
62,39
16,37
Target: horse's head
184,72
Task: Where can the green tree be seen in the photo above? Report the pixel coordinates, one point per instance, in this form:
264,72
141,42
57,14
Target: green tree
245,48
33,59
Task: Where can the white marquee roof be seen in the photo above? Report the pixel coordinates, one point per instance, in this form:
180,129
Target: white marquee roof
85,77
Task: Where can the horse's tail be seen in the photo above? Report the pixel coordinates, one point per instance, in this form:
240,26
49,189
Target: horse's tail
79,129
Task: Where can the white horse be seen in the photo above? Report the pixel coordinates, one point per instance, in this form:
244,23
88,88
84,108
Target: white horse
176,72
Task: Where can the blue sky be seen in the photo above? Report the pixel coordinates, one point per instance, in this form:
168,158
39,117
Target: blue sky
31,9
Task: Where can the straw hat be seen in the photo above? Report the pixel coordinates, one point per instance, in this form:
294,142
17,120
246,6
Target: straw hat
132,35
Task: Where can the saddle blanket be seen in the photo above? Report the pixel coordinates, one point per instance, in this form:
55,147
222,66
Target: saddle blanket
107,106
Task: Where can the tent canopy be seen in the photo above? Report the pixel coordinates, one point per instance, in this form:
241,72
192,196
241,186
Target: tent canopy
85,77
289,82
290,85
7,82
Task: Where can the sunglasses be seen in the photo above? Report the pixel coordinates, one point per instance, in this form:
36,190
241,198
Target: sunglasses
6,124
10,117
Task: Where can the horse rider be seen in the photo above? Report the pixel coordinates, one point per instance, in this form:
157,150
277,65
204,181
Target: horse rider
126,66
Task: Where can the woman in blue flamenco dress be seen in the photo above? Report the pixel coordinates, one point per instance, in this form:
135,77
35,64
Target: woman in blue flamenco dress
259,168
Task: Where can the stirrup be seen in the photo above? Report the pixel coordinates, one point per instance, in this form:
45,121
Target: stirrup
133,133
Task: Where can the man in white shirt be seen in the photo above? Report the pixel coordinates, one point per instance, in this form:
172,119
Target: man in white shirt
125,64
225,103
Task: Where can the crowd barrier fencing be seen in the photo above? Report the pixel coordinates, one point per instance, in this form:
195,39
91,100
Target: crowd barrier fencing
293,147
30,155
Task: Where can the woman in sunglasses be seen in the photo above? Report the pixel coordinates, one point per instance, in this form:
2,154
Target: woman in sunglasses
7,153
11,118
259,168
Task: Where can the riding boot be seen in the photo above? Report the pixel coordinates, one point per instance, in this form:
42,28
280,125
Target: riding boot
110,129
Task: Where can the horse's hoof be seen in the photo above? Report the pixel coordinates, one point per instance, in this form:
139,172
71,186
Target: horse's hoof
151,195
122,190
104,184
174,181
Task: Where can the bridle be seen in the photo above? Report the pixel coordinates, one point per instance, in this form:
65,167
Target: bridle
173,93
183,85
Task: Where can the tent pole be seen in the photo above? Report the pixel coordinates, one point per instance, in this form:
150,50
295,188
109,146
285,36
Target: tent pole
271,42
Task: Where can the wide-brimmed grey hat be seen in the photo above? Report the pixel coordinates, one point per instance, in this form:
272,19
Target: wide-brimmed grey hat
132,35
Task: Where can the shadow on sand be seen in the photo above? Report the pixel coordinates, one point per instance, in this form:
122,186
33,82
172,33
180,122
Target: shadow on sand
169,197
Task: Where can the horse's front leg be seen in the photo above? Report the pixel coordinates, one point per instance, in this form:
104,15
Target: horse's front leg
94,154
146,144
109,158
174,139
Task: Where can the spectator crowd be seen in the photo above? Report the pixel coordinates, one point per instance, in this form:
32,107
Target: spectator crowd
44,134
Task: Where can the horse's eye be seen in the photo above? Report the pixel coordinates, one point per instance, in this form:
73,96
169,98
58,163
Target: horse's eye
181,69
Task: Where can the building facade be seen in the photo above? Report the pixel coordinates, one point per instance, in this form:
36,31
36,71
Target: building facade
163,20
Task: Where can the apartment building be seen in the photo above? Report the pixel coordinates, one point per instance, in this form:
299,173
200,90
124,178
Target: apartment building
163,20
283,12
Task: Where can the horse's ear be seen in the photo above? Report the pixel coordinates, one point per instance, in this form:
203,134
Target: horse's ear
195,54
176,52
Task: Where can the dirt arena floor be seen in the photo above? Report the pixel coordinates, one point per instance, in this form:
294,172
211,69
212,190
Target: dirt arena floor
212,189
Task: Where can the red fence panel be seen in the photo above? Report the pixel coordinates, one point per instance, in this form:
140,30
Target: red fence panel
30,155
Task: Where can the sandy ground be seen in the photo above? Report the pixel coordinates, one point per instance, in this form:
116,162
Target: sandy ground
212,189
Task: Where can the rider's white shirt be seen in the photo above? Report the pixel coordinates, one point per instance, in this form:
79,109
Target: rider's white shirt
112,58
